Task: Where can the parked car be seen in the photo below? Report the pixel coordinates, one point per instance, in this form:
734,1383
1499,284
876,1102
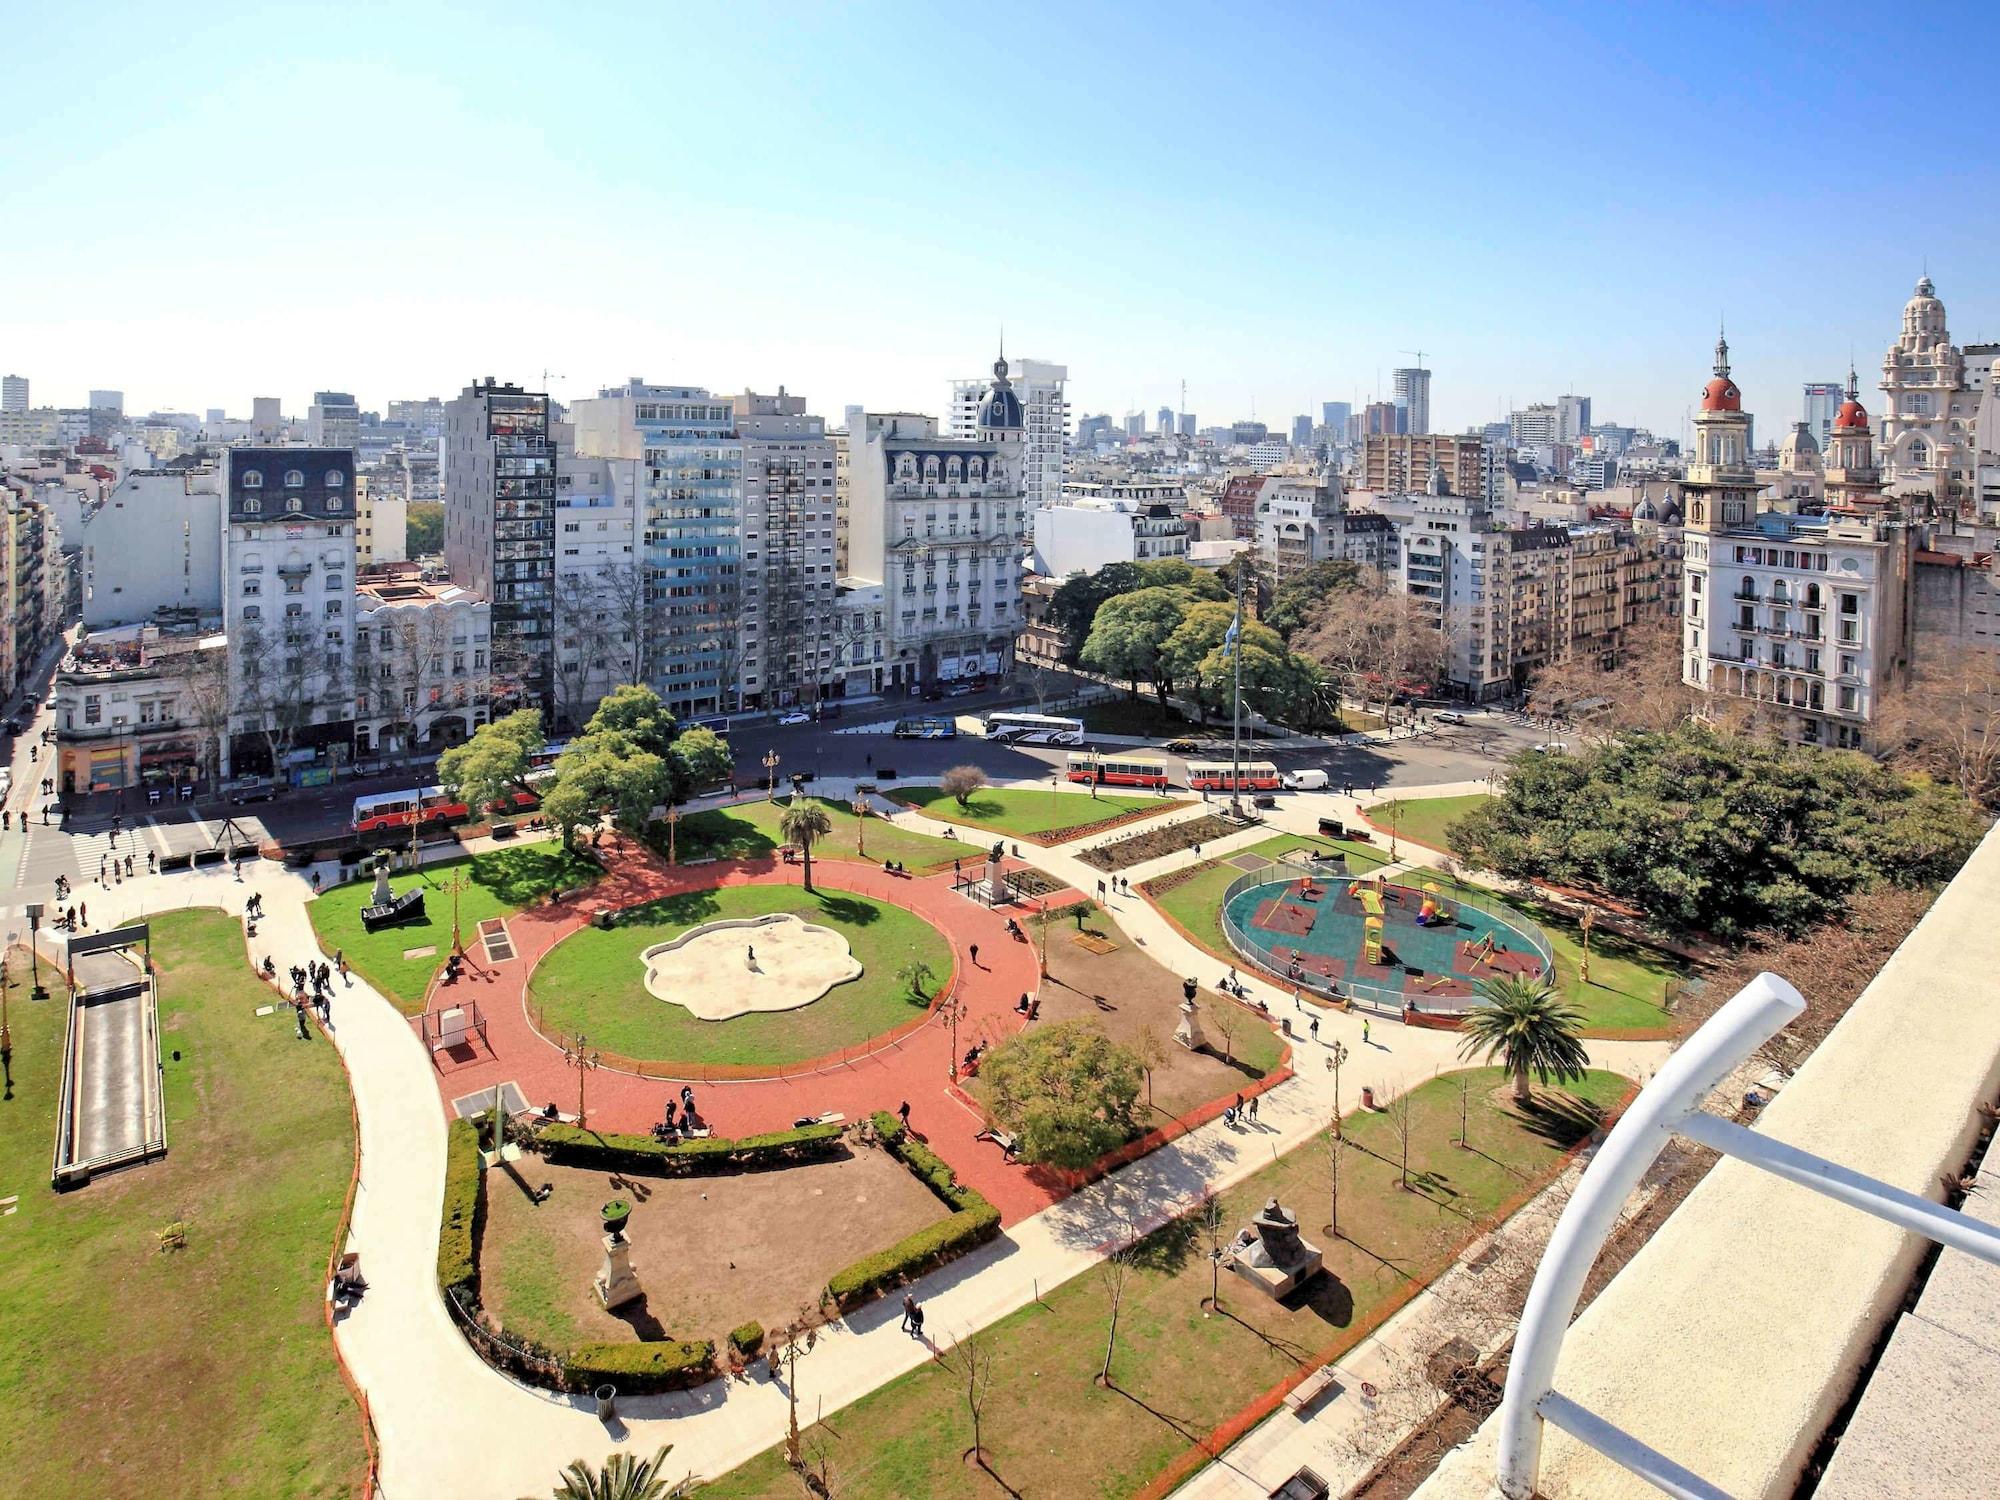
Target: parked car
1183,746
1553,747
1448,716
6,781
1302,781
796,716
249,789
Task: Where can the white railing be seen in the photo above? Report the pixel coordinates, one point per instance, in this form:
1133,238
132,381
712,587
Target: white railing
1670,1106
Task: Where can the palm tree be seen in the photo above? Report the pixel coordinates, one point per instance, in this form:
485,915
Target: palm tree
622,1477
805,824
1525,1025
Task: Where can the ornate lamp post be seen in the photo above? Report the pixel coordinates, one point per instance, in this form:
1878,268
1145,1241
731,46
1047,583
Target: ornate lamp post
1585,922
457,885
953,1009
1044,907
578,1056
673,821
861,826
1339,1057
770,776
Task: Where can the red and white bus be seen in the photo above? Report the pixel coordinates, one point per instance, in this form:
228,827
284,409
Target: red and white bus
1118,770
425,804
1214,776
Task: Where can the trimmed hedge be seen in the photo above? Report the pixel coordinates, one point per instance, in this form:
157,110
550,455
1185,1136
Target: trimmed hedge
571,1146
464,1184
747,1338
912,1256
667,1365
974,1221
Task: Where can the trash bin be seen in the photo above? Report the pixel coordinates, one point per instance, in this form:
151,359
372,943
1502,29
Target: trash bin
607,1402
1367,1098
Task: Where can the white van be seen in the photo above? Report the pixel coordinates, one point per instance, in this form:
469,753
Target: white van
1303,781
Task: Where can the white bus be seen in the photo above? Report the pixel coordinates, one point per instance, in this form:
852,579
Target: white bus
1034,729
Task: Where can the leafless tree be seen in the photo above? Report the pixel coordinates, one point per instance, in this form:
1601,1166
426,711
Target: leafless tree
1464,1109
1640,688
279,679
1398,1111
1946,723
1224,1018
204,694
976,1364
1335,1144
1151,1049
1115,1274
1375,637
1208,1218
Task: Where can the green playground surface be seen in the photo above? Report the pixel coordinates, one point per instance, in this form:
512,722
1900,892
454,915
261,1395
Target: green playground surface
1325,935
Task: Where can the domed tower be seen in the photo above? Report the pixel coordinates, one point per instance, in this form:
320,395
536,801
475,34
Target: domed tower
1851,476
1925,405
1719,493
1001,421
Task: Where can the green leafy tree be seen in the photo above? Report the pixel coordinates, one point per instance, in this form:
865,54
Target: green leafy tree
1196,656
1295,599
620,1477
571,806
636,714
1528,1028
1126,639
1179,573
599,772
1067,1091
1073,606
699,757
425,531
493,765
805,823
1707,831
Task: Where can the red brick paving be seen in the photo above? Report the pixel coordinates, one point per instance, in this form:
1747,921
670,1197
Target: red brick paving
915,1068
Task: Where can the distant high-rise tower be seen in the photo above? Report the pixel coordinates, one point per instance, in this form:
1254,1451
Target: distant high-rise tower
1187,424
1302,431
334,421
108,401
1572,418
1413,394
1045,418
1166,419
1335,414
13,393
1823,398
266,415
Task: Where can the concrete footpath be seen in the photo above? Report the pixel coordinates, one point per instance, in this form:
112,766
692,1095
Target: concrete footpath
451,1426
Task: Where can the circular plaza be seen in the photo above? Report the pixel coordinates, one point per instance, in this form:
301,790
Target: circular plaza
1421,941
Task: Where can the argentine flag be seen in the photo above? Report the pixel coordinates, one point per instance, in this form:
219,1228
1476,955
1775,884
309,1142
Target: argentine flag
1229,639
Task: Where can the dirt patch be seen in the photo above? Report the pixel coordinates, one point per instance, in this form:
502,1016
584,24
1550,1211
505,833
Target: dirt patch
1154,843
712,1252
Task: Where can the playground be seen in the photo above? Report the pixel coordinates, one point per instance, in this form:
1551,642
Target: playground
1422,941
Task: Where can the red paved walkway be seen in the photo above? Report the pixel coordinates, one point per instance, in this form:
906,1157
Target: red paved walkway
915,1068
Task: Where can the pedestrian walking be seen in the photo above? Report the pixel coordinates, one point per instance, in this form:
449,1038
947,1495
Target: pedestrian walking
1364,1032
299,1015
909,1312
903,1113
975,955
1313,1028
917,1321
1253,1109
83,912
315,881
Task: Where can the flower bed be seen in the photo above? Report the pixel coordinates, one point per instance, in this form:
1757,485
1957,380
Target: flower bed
1155,843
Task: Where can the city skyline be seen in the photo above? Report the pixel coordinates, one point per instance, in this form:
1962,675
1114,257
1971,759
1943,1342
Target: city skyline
865,245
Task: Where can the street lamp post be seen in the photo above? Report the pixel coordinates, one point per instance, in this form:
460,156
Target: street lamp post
1236,703
1339,1057
457,885
578,1056
34,911
861,826
1585,922
953,1009
673,821
1045,937
770,776
1393,811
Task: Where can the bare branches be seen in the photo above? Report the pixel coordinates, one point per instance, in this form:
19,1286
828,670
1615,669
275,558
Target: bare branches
1946,723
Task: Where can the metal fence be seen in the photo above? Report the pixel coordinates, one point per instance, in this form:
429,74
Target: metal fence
1296,864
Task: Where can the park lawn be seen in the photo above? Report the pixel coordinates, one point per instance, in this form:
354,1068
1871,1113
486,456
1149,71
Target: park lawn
498,883
1027,812
128,1371
593,980
749,830
1628,981
1423,820
1197,903
1050,1430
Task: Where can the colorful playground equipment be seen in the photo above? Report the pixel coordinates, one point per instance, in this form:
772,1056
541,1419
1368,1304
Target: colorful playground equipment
1433,914
1371,934
1483,951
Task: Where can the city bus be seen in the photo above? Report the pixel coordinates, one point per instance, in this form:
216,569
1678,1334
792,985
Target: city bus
1034,729
1118,770
379,811
926,729
1214,776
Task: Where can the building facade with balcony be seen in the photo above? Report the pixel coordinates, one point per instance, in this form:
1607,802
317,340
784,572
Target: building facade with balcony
423,676
788,578
690,519
141,706
288,608
1805,621
941,520
497,468
1044,423
1302,521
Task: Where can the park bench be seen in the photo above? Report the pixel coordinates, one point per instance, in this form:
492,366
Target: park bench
1309,1390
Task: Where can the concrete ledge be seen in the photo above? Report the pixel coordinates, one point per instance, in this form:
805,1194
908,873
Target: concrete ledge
1732,1338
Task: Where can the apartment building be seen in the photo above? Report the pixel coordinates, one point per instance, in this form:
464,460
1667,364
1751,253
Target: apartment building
1039,386
600,582
142,706
1400,463
1302,520
422,662
789,569
1095,524
152,544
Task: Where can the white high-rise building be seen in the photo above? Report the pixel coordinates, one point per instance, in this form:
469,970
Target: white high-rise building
13,393
333,420
788,571
113,401
1413,396
1045,418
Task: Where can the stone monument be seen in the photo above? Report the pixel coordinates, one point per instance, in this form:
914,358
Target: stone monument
1188,1033
1269,1254
996,883
616,1282
382,896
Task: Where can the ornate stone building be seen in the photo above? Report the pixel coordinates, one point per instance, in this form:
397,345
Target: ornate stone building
1929,443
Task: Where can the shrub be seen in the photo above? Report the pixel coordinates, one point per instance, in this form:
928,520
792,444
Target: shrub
747,1338
464,1197
663,1365
925,1164
572,1145
915,1254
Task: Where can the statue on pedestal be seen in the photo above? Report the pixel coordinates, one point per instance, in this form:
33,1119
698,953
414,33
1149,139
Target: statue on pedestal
1269,1253
616,1282
996,883
1188,1033
382,896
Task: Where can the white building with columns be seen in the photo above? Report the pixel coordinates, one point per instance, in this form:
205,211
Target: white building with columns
1930,416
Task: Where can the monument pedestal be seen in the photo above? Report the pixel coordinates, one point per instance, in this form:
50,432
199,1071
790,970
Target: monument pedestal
996,881
617,1283
1270,1255
1188,1033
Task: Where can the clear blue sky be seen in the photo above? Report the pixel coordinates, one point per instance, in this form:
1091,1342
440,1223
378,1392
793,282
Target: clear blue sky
1272,202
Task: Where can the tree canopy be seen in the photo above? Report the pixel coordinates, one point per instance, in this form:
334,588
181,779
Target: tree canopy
1708,831
1067,1092
494,763
1129,631
1294,600
631,757
1077,599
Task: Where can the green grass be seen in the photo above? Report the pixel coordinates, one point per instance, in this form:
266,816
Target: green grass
1026,812
1197,904
749,830
593,980
1627,980
1179,1372
1424,819
498,884
126,1371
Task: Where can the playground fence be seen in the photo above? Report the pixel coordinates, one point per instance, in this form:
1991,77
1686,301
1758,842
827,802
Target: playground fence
1296,865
